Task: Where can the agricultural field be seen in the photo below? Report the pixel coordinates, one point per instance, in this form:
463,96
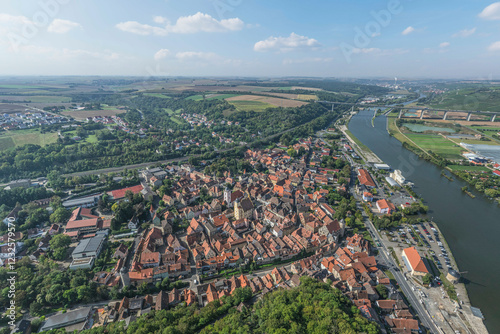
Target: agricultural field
220,96
487,130
307,97
83,114
251,105
304,97
16,138
264,100
437,144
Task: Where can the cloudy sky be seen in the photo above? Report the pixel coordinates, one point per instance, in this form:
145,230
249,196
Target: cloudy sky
363,38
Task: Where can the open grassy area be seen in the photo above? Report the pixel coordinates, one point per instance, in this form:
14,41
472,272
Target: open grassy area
393,130
6,143
307,97
195,97
49,99
469,168
251,105
176,120
92,139
221,96
157,95
10,139
437,144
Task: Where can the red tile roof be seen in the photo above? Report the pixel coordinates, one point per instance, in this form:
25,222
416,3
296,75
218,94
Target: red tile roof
416,262
365,178
120,193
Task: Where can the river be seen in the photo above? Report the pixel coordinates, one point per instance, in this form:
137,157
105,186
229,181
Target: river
471,226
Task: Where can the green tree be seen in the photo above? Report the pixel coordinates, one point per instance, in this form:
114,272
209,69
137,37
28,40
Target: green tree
60,215
427,279
382,291
59,245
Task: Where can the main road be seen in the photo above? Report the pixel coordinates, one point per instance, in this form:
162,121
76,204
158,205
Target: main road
424,316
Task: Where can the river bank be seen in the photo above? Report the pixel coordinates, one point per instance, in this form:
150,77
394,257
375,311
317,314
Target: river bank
470,226
438,160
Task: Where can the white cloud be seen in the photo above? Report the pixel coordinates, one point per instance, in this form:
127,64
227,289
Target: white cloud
492,12
408,31
284,44
12,19
198,22
163,53
465,33
141,29
204,22
60,54
442,48
13,24
190,55
59,26
365,50
494,46
160,19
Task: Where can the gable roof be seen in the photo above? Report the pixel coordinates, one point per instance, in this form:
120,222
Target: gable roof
414,259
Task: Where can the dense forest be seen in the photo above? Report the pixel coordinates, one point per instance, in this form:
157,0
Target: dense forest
313,307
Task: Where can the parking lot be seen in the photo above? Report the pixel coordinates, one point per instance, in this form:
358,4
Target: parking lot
426,238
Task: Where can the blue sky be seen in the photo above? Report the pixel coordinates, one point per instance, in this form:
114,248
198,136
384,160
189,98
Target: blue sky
335,38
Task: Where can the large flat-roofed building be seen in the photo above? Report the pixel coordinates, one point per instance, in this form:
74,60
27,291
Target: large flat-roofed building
77,318
414,262
24,183
82,263
89,247
85,202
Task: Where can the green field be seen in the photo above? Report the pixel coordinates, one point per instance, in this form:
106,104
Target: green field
6,143
469,168
92,139
176,120
171,112
251,105
437,144
486,129
49,99
23,137
195,97
222,96
157,95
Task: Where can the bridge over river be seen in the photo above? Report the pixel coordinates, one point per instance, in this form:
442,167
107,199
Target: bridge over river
428,113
